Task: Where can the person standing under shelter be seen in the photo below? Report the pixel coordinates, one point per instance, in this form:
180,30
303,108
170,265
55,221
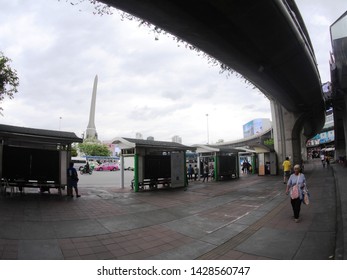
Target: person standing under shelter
196,172
211,171
286,169
206,172
245,166
72,180
190,172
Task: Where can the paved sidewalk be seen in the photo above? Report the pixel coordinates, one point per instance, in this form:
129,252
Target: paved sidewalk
249,218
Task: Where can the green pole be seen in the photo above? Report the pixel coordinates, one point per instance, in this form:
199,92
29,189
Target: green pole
136,173
216,165
185,169
253,164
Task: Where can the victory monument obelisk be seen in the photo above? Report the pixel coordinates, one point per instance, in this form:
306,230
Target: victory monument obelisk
91,134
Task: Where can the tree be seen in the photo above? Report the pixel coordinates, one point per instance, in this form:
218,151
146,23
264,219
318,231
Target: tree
8,79
270,143
74,152
94,149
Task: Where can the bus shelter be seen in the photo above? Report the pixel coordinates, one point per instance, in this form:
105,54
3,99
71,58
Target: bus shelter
156,163
34,158
223,162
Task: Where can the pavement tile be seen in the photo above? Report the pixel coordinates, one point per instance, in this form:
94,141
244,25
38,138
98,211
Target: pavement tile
248,218
272,243
104,256
135,256
107,241
68,253
39,250
230,255
85,251
126,243
74,258
119,252
114,246
156,250
99,249
132,249
9,255
146,245
94,243
80,245
89,257
252,257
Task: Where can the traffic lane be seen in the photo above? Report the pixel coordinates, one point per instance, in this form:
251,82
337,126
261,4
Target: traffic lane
105,179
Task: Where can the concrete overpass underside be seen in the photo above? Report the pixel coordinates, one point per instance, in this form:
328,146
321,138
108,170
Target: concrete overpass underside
338,66
265,41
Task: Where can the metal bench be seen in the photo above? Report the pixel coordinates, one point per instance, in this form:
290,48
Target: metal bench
153,183
19,185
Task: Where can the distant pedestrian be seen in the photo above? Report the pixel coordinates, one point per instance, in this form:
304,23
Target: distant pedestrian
296,179
190,172
250,168
327,160
245,166
211,172
87,167
72,180
196,172
206,173
287,166
322,158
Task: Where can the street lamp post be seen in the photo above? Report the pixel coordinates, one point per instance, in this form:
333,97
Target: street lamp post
60,122
208,134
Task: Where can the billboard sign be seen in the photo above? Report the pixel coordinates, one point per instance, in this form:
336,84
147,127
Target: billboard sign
256,126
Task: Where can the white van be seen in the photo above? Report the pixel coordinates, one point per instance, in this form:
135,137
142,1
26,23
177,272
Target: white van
79,162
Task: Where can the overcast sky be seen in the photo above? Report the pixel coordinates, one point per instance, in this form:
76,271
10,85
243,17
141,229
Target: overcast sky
145,85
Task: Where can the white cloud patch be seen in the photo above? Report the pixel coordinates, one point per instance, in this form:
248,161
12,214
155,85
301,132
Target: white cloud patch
320,20
145,85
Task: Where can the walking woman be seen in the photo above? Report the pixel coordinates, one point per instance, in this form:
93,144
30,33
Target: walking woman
295,186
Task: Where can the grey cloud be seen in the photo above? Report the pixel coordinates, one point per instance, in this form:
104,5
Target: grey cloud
173,94
152,113
58,77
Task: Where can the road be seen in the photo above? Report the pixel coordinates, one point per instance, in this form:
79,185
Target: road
105,179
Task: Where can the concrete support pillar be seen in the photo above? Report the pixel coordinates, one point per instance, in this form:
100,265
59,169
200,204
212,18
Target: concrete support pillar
340,127
1,156
288,136
136,172
122,171
303,147
198,164
345,125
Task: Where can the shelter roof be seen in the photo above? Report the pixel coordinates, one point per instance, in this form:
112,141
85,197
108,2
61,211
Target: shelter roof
128,143
212,148
247,139
39,135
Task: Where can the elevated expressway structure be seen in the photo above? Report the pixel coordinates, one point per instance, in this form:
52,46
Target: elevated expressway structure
338,32
265,41
253,144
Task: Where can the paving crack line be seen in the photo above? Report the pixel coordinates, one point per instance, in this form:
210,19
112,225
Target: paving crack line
243,235
229,223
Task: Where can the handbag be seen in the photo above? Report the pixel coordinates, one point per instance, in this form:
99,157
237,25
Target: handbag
294,194
306,197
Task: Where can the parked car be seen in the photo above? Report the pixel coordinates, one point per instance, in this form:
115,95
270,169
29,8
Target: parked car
107,166
128,163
